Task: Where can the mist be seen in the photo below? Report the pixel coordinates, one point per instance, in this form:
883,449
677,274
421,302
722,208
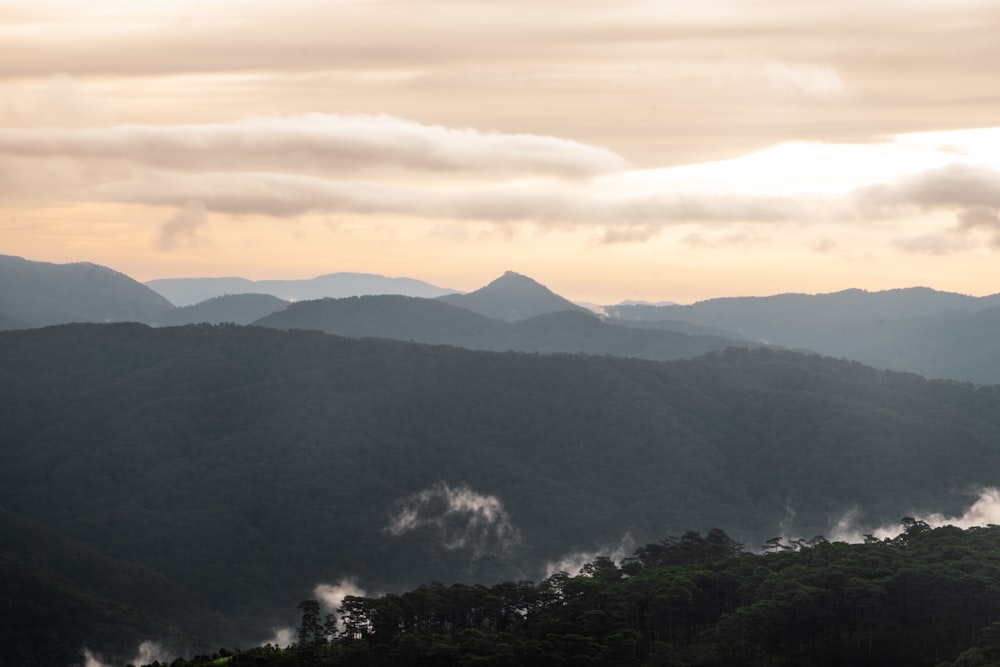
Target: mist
460,518
983,512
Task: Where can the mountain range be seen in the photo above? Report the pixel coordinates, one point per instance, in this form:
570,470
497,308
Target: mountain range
189,291
936,334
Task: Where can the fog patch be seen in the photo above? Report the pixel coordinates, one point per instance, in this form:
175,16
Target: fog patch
983,512
183,227
282,638
573,562
461,518
332,595
148,652
90,660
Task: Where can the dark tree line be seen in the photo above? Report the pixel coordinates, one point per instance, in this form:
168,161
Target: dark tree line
927,597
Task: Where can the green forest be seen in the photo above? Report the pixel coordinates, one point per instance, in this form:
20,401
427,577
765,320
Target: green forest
185,483
926,597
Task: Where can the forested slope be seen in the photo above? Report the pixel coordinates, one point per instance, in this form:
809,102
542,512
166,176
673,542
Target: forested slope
924,598
234,468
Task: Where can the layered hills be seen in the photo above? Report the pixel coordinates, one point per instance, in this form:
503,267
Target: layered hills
937,334
189,291
434,321
212,476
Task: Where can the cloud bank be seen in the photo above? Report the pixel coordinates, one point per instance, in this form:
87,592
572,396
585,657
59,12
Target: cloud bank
283,167
327,143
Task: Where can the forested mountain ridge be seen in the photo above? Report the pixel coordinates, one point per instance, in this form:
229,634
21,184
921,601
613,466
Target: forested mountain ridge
241,466
438,322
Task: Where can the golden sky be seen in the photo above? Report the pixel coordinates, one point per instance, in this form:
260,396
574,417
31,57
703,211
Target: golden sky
654,150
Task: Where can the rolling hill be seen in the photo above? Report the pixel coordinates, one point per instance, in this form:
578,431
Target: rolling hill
35,294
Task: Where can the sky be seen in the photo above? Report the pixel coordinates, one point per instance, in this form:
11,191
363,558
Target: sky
643,149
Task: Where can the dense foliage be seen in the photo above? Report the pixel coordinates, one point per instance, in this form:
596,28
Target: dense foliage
927,597
206,475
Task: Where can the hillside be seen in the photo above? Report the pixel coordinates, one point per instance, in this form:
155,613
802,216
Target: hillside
232,469
35,294
234,308
925,598
436,322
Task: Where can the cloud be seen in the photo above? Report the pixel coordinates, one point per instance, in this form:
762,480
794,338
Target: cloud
183,227
60,101
957,185
332,595
931,244
283,195
816,81
459,517
984,511
574,561
91,660
147,653
981,218
790,81
289,166
967,190
281,638
318,143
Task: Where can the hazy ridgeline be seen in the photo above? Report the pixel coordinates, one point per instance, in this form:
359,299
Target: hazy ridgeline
920,330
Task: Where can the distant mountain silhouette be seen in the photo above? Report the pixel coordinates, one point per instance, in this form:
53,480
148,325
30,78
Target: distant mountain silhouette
189,291
395,317
34,294
680,326
436,322
512,297
938,334
235,308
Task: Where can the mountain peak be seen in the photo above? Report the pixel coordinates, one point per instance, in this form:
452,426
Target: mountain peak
512,297
514,280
